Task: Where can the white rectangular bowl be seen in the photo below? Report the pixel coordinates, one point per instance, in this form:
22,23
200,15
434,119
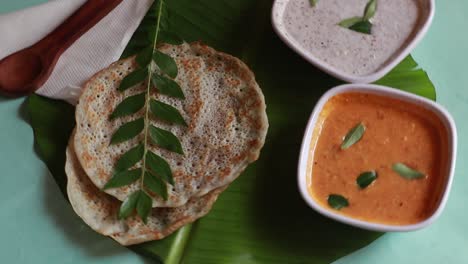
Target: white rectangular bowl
427,15
305,154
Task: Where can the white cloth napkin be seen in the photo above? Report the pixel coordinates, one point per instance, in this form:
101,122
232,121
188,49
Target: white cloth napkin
95,50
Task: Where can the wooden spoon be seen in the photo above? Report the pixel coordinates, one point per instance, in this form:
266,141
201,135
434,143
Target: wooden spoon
25,71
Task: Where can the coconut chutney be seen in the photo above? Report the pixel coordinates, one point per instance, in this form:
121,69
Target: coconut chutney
316,30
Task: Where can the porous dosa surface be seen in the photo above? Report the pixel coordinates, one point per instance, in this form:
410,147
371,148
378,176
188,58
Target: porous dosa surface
224,108
99,210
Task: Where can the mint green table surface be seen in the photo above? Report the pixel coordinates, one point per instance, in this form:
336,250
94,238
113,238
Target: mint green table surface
38,226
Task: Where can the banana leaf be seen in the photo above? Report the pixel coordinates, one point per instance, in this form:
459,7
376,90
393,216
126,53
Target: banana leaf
261,217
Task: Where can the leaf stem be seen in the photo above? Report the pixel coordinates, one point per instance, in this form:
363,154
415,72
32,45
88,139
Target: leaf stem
177,250
148,98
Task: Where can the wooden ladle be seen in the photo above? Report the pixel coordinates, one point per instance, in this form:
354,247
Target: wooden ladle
25,71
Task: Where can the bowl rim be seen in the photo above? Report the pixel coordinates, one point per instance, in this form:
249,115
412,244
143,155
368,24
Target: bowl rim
276,19
305,151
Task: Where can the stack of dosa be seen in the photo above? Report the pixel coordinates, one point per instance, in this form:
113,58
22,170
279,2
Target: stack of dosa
227,125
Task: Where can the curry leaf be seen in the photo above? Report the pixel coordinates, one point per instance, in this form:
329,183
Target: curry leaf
130,158
165,139
369,11
152,37
361,24
155,185
169,37
140,38
159,166
166,112
144,57
133,79
350,21
123,178
128,205
148,24
150,32
166,63
366,178
364,27
128,131
407,172
144,206
353,136
337,201
167,86
129,105
164,20
138,43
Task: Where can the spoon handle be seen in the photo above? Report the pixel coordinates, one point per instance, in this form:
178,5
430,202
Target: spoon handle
26,70
88,15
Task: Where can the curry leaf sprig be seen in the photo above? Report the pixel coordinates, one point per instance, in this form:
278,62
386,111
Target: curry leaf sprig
156,71
361,24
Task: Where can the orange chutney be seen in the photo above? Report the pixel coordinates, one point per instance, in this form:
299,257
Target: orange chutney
396,132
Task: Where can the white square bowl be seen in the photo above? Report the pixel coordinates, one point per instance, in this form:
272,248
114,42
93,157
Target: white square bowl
306,153
427,14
